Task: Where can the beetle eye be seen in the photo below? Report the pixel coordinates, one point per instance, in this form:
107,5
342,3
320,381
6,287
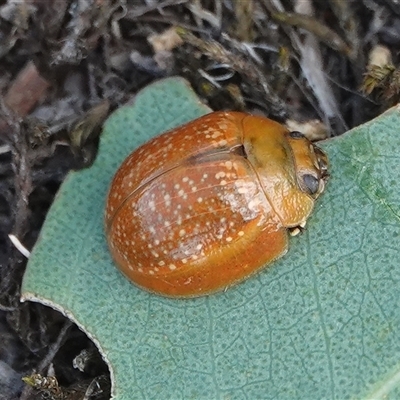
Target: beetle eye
296,135
311,183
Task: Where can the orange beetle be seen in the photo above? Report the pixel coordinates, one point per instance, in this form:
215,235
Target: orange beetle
209,203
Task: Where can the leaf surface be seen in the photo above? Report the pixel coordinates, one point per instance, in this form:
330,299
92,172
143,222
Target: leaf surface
322,322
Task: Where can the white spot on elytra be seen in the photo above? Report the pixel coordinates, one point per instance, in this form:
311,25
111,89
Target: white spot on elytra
254,203
228,165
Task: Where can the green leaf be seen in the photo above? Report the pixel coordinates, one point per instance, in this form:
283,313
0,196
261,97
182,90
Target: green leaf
322,322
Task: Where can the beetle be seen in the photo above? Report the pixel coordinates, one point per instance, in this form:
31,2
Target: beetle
207,204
